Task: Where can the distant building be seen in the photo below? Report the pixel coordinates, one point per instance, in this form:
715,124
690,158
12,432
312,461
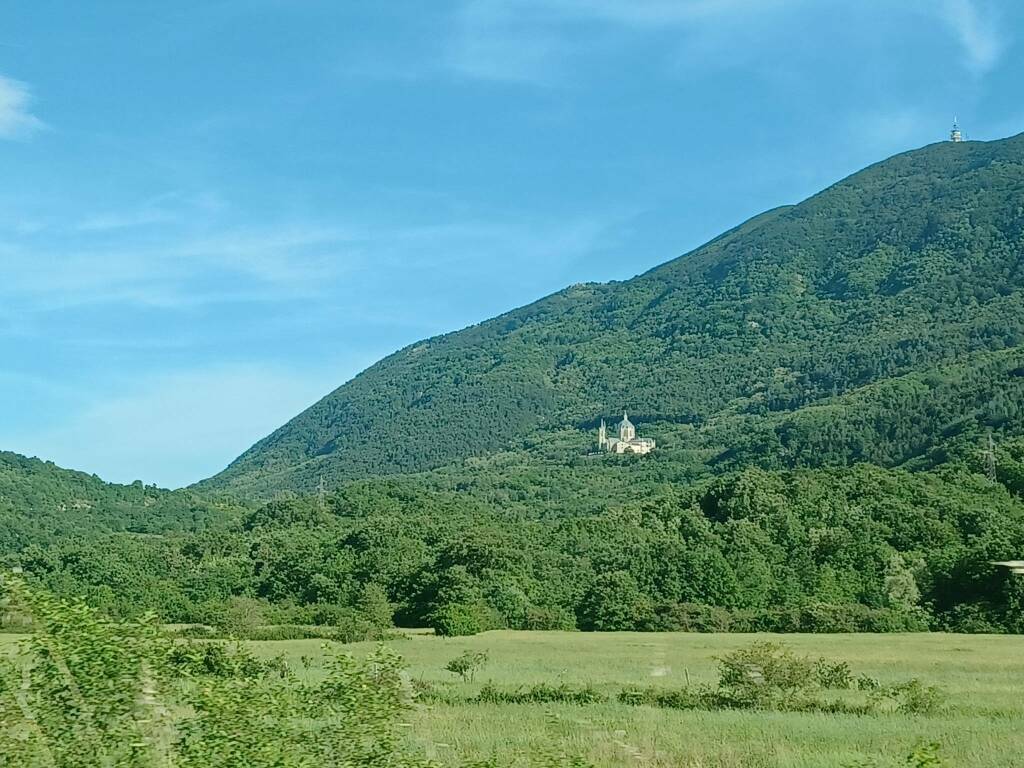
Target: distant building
626,442
955,135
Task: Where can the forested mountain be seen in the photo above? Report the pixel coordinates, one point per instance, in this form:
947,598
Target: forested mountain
821,381
41,503
880,320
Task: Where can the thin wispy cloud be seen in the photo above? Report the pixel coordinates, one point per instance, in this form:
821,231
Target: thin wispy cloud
245,265
976,26
16,118
535,41
653,13
175,270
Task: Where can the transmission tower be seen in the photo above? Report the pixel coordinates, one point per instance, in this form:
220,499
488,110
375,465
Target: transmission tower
322,494
990,458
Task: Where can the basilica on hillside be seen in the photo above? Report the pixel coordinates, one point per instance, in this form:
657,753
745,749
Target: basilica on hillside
626,442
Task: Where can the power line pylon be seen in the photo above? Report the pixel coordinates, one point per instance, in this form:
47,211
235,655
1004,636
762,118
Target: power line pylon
990,458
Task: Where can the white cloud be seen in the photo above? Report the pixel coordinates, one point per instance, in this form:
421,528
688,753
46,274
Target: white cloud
15,118
976,26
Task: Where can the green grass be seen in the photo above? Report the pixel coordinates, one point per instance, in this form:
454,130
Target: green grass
982,724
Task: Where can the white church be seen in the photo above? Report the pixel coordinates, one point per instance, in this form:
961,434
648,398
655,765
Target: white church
626,442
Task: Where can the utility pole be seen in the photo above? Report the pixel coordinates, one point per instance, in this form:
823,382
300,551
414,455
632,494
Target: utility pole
990,458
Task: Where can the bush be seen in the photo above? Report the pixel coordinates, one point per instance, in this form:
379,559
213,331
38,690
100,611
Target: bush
834,676
765,676
910,698
426,692
769,676
466,665
667,698
542,693
867,683
461,619
971,620
693,617
218,660
97,692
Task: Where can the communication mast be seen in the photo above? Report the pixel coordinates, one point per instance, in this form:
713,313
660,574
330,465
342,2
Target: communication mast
955,135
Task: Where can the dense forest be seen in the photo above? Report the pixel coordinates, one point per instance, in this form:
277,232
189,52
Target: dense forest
41,503
859,548
824,383
879,321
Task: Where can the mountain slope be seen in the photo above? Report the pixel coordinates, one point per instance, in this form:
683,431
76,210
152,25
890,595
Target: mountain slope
911,265
41,503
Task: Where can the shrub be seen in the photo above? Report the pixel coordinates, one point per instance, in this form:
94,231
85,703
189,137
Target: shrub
218,660
542,693
426,692
867,683
667,698
765,676
467,664
769,676
462,619
693,617
96,692
814,617
925,756
834,676
910,698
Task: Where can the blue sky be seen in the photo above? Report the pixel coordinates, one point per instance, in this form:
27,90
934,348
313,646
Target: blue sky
213,213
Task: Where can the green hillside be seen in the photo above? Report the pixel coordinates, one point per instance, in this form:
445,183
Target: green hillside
41,503
879,320
821,382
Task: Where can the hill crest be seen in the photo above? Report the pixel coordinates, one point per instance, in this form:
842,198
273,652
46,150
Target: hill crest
909,264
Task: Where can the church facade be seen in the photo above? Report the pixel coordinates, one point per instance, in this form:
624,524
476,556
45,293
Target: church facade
626,442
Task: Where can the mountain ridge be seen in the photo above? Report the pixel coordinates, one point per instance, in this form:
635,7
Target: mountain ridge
910,263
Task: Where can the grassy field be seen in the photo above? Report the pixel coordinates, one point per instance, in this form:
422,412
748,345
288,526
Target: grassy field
982,723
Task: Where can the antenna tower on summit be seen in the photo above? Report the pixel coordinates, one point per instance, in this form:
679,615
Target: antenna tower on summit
955,135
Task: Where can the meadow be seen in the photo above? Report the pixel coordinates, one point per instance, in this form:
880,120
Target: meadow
981,722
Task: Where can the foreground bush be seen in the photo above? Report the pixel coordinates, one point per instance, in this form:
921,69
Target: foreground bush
86,692
89,692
